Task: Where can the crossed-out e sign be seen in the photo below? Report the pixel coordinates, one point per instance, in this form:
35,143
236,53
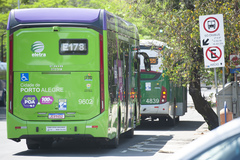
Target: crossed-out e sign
214,56
211,30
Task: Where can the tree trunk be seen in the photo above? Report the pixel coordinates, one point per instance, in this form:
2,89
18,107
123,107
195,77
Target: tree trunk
202,106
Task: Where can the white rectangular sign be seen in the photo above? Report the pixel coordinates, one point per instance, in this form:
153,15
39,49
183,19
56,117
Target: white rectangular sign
56,128
234,60
214,57
211,30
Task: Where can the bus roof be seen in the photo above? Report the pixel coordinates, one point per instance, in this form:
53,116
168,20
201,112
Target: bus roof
151,42
97,19
56,15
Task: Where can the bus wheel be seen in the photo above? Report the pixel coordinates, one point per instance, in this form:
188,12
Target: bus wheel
31,144
177,119
46,143
130,133
162,120
115,141
173,120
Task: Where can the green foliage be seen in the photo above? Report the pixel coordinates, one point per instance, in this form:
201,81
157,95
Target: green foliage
179,20
181,32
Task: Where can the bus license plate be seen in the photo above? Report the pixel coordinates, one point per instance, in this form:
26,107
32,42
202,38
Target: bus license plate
56,116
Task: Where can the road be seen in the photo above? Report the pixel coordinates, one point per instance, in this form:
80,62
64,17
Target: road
152,140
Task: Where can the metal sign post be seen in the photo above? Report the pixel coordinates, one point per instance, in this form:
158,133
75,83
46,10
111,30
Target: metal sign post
215,75
223,74
212,41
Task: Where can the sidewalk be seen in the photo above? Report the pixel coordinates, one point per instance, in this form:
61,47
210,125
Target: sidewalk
183,136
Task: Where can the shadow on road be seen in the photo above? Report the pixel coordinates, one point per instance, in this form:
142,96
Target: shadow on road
90,149
180,126
139,145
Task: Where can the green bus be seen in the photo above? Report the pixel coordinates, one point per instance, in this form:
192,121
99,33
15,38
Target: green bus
160,98
72,73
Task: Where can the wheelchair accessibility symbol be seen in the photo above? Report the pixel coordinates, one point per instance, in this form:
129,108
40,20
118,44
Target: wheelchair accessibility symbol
24,77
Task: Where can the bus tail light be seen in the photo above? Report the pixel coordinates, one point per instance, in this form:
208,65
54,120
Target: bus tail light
102,105
10,92
163,98
132,93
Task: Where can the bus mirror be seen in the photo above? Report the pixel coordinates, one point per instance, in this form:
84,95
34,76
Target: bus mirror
146,61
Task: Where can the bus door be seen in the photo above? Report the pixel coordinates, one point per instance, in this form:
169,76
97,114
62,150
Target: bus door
124,52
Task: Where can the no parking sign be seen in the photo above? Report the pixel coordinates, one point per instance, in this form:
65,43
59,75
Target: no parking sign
214,57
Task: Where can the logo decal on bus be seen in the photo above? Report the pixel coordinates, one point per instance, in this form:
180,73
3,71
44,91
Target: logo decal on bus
148,86
88,88
24,77
62,104
88,77
29,101
46,100
37,48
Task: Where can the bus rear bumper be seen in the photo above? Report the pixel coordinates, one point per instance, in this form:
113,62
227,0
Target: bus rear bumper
94,128
155,109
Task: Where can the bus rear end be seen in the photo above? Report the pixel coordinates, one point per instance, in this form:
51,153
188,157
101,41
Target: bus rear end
155,95
54,76
155,87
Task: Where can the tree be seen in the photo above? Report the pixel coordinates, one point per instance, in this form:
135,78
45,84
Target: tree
180,24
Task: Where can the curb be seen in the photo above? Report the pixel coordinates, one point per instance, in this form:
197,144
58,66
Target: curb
177,143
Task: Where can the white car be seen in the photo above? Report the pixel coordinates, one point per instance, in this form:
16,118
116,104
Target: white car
222,143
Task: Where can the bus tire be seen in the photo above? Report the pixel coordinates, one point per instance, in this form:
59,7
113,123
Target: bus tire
177,119
162,120
46,143
130,133
31,144
113,143
173,120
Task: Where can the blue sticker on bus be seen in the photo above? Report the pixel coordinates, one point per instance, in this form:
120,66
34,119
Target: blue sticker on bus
29,101
62,104
24,77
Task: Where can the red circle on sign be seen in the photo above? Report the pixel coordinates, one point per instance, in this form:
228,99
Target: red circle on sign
235,60
204,26
218,57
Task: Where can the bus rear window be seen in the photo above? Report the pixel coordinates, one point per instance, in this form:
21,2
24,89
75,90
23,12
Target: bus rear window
73,46
150,76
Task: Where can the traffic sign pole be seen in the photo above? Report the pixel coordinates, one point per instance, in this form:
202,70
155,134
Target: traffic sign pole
223,83
212,41
215,75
